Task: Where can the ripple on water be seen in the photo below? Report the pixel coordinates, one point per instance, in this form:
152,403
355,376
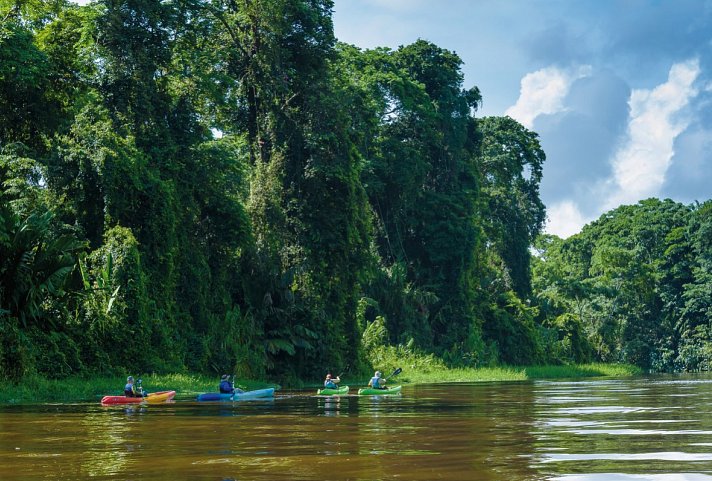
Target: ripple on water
660,456
640,432
633,477
614,409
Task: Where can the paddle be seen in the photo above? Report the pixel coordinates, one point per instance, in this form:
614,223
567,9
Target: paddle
235,389
342,373
140,390
394,373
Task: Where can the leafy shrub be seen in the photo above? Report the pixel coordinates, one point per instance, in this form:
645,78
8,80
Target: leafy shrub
15,356
56,354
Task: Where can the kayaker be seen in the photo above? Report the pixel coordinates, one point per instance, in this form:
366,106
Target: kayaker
331,382
131,390
377,382
226,387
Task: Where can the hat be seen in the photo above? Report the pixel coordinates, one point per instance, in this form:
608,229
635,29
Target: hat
224,377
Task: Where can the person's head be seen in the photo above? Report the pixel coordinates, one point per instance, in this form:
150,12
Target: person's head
225,377
129,379
328,376
377,374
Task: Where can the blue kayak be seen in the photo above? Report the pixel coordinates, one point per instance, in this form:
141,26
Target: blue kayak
256,394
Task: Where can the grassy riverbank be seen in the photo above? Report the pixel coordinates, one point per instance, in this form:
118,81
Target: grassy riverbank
187,386
517,373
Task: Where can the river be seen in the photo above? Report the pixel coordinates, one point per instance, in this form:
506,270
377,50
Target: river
643,428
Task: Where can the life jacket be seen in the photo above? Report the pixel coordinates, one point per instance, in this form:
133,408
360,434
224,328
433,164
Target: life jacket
329,384
376,382
129,391
226,387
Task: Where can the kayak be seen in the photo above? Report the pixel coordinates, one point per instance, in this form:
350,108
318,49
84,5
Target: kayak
217,396
152,398
367,391
333,392
257,393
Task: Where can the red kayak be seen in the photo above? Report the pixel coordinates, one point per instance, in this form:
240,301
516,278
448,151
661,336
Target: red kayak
152,398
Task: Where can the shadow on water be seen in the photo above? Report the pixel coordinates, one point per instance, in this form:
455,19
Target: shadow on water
655,428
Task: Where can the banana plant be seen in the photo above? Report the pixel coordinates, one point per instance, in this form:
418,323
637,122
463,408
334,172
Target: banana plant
35,264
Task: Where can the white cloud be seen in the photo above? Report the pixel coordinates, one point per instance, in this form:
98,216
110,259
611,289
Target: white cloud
639,167
543,92
565,219
657,117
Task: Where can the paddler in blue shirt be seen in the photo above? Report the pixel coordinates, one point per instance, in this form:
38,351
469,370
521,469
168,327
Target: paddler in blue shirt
331,382
377,382
226,387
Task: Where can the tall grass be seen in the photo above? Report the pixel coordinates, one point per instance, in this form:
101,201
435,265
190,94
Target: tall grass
516,373
422,368
581,370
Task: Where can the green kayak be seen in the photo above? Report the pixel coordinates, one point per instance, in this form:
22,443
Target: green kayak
367,391
333,392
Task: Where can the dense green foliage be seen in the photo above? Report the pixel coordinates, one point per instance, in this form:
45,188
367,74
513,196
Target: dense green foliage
634,286
219,186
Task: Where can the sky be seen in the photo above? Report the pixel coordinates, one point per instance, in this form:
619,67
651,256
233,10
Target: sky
619,91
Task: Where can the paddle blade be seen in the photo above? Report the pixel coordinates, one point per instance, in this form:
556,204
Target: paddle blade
395,373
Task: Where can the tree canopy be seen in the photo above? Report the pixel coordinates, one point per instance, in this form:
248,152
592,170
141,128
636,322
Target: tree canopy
221,186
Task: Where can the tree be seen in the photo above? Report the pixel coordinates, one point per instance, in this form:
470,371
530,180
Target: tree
623,277
419,146
511,168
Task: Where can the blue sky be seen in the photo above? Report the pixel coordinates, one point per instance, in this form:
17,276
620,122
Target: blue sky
619,91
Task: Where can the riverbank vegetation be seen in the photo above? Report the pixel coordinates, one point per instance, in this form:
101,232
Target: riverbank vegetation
210,186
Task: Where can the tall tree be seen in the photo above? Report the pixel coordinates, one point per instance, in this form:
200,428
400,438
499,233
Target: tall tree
419,146
512,165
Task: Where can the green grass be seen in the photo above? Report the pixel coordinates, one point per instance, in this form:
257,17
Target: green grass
427,368
516,373
581,370
91,389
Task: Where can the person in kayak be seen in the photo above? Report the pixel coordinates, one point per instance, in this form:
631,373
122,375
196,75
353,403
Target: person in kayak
377,382
331,382
226,387
131,389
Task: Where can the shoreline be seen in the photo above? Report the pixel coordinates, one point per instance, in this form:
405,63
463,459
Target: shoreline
36,389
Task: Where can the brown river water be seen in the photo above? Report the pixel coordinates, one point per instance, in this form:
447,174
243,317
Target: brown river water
643,428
